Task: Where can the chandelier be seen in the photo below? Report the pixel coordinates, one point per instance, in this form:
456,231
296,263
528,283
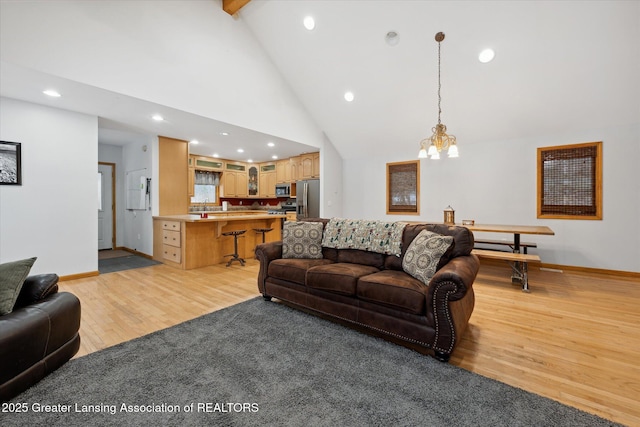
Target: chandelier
440,140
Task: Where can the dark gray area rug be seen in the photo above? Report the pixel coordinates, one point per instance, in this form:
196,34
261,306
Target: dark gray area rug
261,363
123,263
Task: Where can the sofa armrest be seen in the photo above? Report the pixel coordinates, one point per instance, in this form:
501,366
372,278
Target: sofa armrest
36,288
265,253
459,272
451,299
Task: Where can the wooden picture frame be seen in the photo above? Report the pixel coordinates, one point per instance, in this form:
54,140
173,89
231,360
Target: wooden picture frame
403,188
10,163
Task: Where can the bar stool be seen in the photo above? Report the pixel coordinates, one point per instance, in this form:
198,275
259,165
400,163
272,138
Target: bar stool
263,231
234,256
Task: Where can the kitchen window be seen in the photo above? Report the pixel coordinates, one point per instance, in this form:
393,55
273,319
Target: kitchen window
205,187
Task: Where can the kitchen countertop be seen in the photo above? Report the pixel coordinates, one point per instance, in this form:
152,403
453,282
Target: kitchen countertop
219,216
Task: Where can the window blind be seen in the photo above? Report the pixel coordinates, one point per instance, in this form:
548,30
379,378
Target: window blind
569,181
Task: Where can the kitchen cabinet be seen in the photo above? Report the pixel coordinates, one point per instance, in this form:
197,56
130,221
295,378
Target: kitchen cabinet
296,168
306,171
309,166
268,177
316,165
191,177
283,171
171,241
254,182
207,163
234,182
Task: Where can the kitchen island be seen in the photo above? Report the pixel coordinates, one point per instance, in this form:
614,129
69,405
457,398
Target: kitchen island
190,241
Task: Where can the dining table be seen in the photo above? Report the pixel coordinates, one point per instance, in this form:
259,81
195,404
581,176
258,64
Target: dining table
516,230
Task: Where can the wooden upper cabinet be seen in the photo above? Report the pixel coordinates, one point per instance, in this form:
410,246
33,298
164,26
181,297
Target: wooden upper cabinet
173,167
206,163
234,181
316,165
296,168
310,166
268,177
283,171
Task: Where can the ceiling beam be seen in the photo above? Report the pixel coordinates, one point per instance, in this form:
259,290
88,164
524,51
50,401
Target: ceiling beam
232,6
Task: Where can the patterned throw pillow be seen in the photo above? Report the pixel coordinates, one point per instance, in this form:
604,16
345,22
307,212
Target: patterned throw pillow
12,275
424,253
302,240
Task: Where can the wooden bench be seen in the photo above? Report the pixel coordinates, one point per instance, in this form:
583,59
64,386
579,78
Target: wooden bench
517,259
523,245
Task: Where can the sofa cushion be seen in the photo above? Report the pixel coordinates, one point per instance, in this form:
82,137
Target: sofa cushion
12,276
293,270
423,254
339,277
395,289
356,256
302,240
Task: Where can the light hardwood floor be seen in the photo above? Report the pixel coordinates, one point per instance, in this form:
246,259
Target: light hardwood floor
575,338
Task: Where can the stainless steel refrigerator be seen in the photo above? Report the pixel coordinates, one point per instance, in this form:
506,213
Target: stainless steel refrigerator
308,198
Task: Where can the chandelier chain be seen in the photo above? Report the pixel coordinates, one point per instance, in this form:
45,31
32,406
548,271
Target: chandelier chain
439,85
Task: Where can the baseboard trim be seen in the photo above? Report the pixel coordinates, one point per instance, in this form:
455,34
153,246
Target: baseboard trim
133,251
590,270
78,276
575,269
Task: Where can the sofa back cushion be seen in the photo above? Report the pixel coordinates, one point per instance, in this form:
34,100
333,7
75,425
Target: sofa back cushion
357,256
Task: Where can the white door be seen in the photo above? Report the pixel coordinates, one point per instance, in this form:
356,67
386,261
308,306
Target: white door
105,207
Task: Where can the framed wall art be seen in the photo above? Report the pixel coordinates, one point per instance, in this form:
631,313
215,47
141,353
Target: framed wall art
403,188
10,163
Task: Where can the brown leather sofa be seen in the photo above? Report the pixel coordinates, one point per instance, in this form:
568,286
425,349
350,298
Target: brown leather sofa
38,336
384,300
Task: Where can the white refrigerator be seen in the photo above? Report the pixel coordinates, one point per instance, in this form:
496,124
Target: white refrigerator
308,198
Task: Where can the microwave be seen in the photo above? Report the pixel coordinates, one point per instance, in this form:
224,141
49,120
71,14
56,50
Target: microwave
283,190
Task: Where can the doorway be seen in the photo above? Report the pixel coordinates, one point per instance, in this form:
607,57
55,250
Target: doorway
106,205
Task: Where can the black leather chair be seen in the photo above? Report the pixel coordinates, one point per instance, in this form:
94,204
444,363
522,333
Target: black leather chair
38,336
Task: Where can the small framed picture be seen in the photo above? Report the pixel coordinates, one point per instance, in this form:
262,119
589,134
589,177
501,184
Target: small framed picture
10,163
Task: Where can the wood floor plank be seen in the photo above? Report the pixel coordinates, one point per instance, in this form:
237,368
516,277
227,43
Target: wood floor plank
574,338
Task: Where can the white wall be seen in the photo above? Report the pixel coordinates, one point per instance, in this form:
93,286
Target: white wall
331,196
495,183
138,225
53,214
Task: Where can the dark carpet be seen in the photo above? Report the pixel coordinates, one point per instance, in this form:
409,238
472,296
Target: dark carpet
111,265
261,363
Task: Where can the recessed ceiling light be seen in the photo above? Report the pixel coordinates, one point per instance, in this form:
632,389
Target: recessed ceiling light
52,93
216,155
274,157
392,38
271,144
486,55
224,133
349,96
194,142
157,117
309,23
250,161
240,150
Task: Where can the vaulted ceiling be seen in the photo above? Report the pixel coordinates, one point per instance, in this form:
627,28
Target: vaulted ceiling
559,66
